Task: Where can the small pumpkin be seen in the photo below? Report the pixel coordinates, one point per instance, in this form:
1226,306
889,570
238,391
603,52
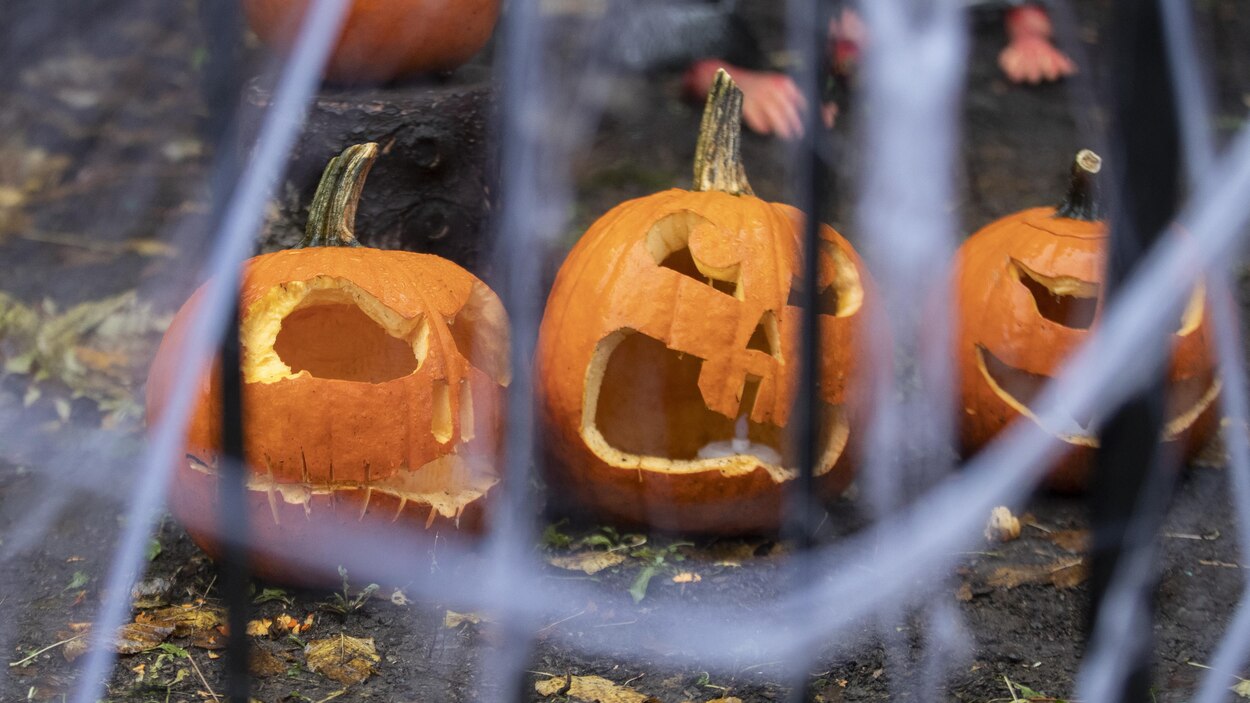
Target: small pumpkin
373,385
667,356
1030,290
386,39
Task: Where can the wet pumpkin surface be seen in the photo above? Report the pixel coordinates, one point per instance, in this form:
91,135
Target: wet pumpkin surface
73,151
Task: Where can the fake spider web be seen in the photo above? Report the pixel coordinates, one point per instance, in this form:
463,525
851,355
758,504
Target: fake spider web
108,222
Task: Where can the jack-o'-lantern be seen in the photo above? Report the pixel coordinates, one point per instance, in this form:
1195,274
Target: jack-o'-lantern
1030,290
386,39
372,391
668,353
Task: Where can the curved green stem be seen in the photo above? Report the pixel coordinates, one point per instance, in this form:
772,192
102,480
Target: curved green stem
1082,201
332,214
718,154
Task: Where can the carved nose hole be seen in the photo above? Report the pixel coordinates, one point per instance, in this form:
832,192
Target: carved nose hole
766,336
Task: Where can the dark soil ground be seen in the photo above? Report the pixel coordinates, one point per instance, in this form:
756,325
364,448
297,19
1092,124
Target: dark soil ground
101,161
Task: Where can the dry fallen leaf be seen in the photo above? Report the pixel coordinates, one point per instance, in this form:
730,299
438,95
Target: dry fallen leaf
963,593
132,638
263,663
1075,541
1002,526
731,699
1242,689
348,660
590,561
285,623
591,689
139,637
185,620
1064,573
1070,576
259,628
452,619
687,577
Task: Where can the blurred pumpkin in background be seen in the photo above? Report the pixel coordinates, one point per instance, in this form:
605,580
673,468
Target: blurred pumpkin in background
1030,289
373,385
386,39
668,353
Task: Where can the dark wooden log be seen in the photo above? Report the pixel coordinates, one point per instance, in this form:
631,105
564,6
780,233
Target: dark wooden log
432,189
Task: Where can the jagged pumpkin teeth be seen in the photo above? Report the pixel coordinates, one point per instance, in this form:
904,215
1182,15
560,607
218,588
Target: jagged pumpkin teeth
667,358
373,385
1030,291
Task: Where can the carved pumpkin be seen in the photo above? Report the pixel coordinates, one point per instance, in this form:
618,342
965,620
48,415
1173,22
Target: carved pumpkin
667,357
386,39
372,389
1030,289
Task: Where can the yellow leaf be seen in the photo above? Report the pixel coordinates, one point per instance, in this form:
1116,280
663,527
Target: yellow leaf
593,689
687,577
348,660
139,637
452,619
184,619
1242,689
590,561
259,628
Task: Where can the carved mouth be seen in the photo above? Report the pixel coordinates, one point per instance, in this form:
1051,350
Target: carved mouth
643,410
1187,400
447,485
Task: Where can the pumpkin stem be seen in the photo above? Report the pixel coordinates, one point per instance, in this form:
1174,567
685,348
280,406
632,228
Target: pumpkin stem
1082,201
718,154
332,215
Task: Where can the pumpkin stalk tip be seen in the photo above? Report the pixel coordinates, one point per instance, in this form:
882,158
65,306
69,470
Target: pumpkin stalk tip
718,154
332,214
1082,201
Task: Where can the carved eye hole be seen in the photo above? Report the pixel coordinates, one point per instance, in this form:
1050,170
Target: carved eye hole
1191,319
682,261
669,244
827,300
841,293
1062,299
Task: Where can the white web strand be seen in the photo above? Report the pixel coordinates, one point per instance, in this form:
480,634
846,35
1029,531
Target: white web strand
242,220
913,73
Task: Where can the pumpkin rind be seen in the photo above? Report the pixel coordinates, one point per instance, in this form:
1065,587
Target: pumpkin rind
386,39
1002,332
614,287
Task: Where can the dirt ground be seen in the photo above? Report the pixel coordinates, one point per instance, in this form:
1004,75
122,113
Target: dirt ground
70,151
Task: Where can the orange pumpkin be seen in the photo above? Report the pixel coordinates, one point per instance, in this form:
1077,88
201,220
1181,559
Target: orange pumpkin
1030,290
667,357
373,385
386,39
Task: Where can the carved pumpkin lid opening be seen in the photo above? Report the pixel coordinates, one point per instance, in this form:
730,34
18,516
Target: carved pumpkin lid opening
329,328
